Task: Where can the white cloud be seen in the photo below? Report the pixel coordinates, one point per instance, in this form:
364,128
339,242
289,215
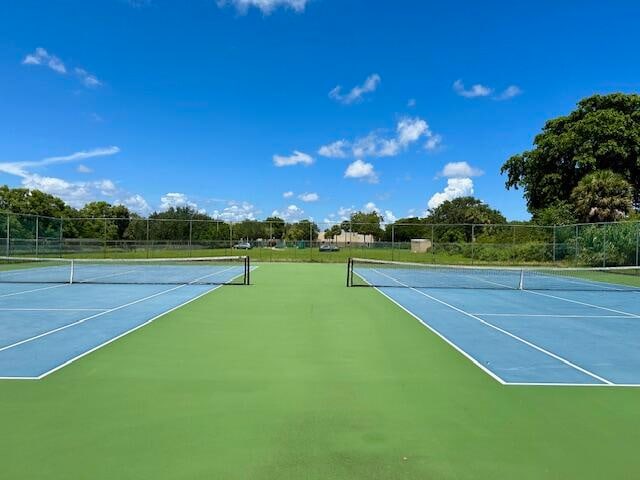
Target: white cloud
355,95
509,92
408,131
136,203
73,193
389,216
476,90
309,197
83,169
361,170
433,142
289,214
176,200
88,79
460,170
334,150
370,207
288,194
236,212
295,159
456,187
42,57
265,6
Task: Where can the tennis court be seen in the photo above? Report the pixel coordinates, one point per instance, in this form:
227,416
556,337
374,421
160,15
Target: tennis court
53,312
524,326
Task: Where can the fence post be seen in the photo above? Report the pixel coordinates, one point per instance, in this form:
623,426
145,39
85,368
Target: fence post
104,238
513,244
190,235
393,240
230,237
61,248
311,240
37,233
554,244
577,245
473,242
433,244
637,244
148,242
604,246
8,235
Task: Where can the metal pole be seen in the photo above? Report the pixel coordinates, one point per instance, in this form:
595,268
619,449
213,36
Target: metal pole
8,235
37,234
473,242
513,243
60,248
554,244
433,244
577,246
190,234
311,240
393,240
637,244
104,239
604,246
147,242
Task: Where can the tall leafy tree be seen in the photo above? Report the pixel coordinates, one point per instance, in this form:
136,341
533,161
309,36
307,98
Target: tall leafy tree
603,133
463,210
365,223
602,196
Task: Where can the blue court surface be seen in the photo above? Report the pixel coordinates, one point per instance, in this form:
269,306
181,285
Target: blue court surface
46,326
557,336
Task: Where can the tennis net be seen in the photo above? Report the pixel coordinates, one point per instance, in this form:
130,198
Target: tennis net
173,271
380,273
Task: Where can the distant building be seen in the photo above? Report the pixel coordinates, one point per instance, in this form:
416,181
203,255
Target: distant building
347,238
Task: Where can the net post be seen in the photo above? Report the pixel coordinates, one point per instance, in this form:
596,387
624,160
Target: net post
349,267
247,266
521,282
72,271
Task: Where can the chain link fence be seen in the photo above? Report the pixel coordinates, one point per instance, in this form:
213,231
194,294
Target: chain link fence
601,244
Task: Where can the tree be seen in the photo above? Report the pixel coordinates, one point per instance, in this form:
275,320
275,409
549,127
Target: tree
276,227
406,229
334,231
302,230
559,213
603,133
454,214
365,224
602,196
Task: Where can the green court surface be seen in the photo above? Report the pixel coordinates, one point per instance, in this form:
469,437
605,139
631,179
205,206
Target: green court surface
299,377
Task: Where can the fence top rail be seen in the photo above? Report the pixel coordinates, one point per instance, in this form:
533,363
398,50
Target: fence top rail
322,224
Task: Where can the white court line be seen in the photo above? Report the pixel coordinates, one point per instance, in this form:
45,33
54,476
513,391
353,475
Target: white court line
547,315
91,317
68,362
53,309
49,287
506,332
583,303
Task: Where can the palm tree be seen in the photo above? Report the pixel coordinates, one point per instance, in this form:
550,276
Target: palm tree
602,196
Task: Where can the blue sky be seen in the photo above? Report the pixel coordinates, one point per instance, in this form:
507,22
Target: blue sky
307,108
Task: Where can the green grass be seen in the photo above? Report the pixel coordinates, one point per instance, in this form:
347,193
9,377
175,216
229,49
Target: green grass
299,377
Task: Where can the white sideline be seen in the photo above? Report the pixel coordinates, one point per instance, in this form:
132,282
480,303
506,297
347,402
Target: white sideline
547,315
68,362
506,332
91,317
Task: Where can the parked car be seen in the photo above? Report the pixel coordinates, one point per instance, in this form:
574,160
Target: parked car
329,248
243,246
